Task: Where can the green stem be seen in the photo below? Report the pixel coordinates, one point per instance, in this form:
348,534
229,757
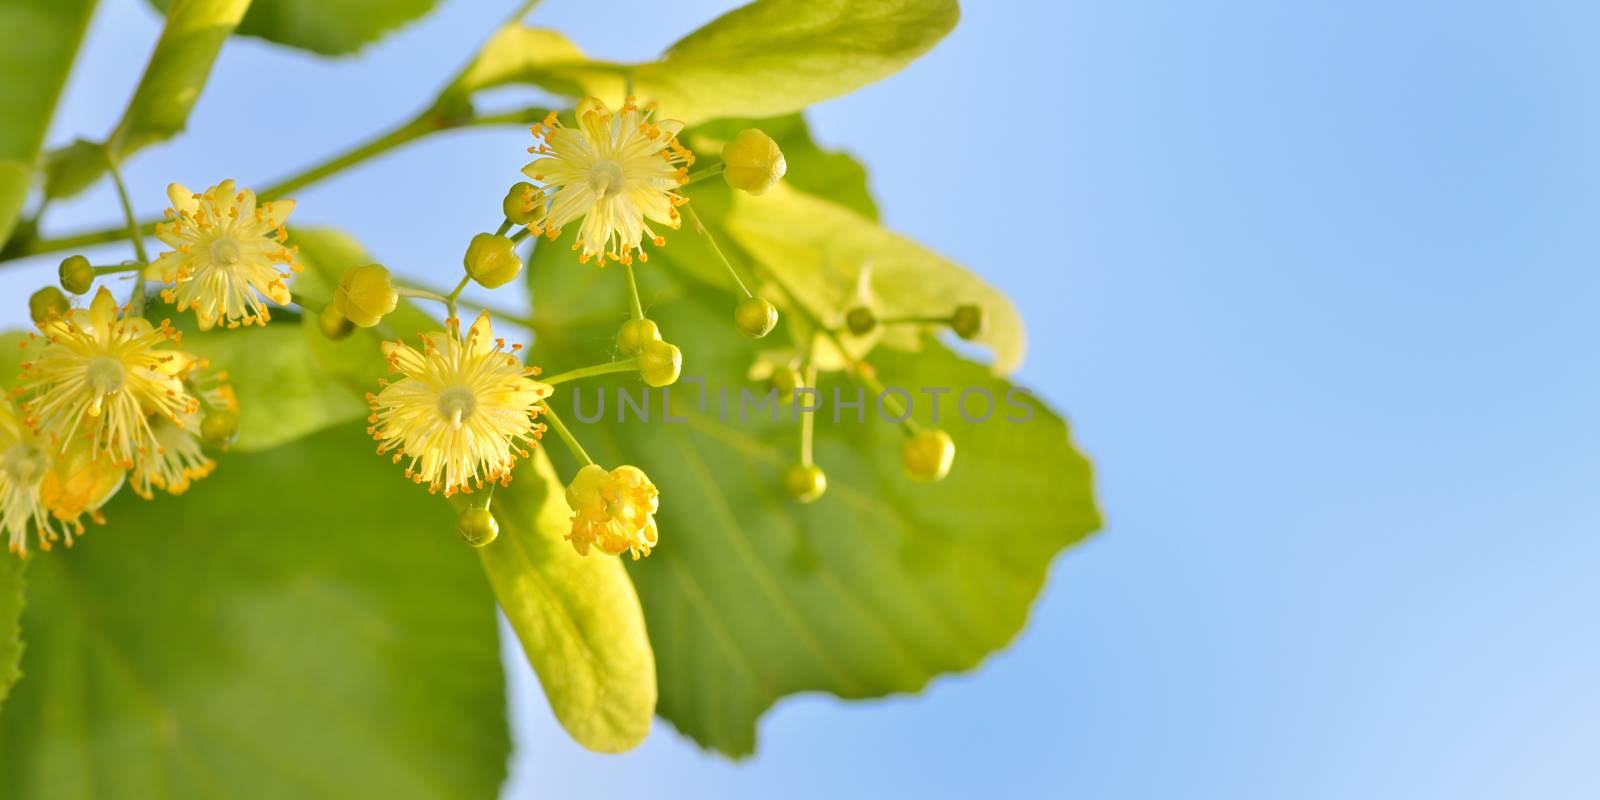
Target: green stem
937,320
808,419
113,269
422,294
136,302
700,228
708,172
455,294
625,365
633,291
566,436
504,226
520,235
423,124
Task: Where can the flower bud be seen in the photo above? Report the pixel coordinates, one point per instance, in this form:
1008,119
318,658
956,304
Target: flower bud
968,321
786,380
754,162
635,334
335,325
492,260
477,526
927,454
805,482
519,205
46,303
365,295
756,317
220,427
660,363
76,274
860,320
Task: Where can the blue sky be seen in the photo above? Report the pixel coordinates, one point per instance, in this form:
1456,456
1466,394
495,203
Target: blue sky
1315,282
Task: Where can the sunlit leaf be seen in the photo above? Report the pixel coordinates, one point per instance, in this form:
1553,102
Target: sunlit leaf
767,58
874,589
41,40
172,82
578,618
326,27
296,625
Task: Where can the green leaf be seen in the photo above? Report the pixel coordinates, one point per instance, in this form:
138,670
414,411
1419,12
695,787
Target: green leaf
159,109
820,248
326,27
877,587
767,58
12,600
283,392
578,617
302,623
42,38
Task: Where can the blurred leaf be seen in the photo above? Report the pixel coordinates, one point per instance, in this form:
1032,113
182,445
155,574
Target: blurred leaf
42,38
326,27
578,618
283,392
159,109
302,623
767,58
877,587
517,53
11,603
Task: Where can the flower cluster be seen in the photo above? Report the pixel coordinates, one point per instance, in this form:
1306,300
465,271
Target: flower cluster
107,397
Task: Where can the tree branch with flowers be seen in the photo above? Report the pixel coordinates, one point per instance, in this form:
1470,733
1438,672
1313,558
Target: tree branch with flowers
749,532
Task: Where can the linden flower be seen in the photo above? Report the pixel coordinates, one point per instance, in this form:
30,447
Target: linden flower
226,247
614,511
48,492
616,171
177,462
462,413
103,376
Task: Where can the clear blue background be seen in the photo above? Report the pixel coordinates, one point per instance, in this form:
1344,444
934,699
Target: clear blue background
1315,281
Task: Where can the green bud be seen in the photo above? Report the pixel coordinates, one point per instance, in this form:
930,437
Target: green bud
477,526
805,482
786,380
220,427
365,295
927,454
968,321
76,274
635,334
660,363
46,303
335,325
492,260
754,161
860,320
756,317
518,205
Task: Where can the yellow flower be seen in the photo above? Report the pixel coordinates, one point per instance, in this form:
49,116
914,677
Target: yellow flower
104,376
618,171
754,161
463,411
177,462
49,492
614,511
226,249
